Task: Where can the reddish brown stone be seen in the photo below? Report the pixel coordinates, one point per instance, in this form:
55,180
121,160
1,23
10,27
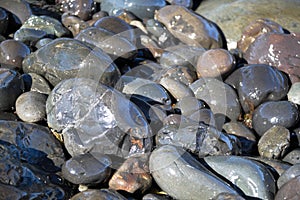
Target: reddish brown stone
132,176
255,29
279,50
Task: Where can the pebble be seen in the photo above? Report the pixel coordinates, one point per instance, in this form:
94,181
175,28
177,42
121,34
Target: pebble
38,84
182,176
73,23
268,114
278,50
81,8
220,97
31,106
184,3
143,9
87,168
274,143
255,29
20,8
151,196
294,93
42,42
190,28
93,194
45,23
289,174
292,157
29,36
11,86
83,108
12,53
253,178
289,190
258,83
215,63
132,176
65,58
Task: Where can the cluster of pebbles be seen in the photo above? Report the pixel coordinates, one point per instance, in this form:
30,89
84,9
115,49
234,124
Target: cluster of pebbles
137,99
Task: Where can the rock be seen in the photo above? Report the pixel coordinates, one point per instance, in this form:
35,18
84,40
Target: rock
3,21
228,15
182,176
94,194
293,157
294,93
66,58
199,139
29,36
191,28
219,96
83,109
185,3
143,9
12,53
45,23
289,174
73,23
289,190
228,196
132,176
215,63
274,143
11,86
258,83
151,196
80,8
255,29
243,173
39,84
278,50
87,169
20,8
268,114
31,106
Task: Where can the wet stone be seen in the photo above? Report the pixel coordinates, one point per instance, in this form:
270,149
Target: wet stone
142,8
83,108
38,84
189,105
289,190
294,93
3,21
204,115
73,23
45,23
258,83
80,8
242,173
151,196
132,176
186,176
144,69
31,106
20,8
42,42
190,28
94,194
289,174
274,143
11,86
29,36
268,114
215,63
227,196
255,29
12,53
219,96
198,138
278,50
65,58
87,169
184,3
293,156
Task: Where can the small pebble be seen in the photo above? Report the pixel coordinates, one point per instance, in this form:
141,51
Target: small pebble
268,114
31,106
290,190
294,93
39,84
29,36
96,194
215,63
274,143
292,157
289,174
81,8
89,169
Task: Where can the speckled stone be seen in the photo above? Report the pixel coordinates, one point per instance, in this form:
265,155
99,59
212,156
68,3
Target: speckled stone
294,93
290,190
31,106
293,156
289,174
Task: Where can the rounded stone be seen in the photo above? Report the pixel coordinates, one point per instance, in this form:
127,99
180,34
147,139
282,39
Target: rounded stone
288,174
95,194
268,114
80,8
12,53
11,86
292,157
290,190
294,93
39,84
274,143
3,21
87,169
29,36
215,63
31,106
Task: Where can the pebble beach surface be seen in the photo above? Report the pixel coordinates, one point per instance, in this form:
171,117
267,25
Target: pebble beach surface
152,100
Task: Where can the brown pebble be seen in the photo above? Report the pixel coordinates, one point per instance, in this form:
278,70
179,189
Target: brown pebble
255,29
215,63
12,53
290,190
